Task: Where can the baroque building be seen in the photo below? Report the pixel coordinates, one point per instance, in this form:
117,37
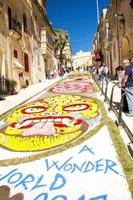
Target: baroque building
26,41
82,59
116,31
98,41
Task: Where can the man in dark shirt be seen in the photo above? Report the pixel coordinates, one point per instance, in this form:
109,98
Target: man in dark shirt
128,82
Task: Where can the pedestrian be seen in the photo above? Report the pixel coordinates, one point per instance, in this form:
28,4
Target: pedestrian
120,72
62,71
100,70
128,83
51,73
72,68
48,74
94,70
103,72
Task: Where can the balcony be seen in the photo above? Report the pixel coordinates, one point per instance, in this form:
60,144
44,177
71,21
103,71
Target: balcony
15,29
46,42
28,4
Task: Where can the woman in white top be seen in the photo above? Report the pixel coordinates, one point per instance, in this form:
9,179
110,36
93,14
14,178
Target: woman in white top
120,74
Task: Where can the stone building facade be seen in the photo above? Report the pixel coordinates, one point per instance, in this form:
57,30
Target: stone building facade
98,41
116,30
26,41
82,59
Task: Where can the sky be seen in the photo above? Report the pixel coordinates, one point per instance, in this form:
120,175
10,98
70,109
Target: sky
78,18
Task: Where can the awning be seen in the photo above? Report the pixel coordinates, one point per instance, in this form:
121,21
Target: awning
16,64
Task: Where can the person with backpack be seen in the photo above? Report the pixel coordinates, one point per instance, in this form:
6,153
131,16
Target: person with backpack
128,83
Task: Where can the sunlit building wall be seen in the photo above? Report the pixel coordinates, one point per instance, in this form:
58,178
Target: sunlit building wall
82,59
26,41
116,31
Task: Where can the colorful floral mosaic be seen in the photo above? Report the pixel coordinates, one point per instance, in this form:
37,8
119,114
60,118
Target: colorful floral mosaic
73,87
48,123
45,127
75,83
78,78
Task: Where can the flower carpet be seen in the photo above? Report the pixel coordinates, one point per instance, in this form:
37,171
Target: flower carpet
63,147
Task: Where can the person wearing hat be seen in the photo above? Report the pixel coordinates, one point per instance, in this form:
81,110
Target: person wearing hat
128,83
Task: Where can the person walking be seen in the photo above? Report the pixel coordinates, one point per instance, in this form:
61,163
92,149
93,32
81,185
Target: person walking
100,71
128,83
103,72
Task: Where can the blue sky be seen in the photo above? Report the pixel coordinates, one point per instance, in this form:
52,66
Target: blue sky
78,17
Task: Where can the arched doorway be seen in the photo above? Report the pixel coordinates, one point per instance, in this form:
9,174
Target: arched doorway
125,49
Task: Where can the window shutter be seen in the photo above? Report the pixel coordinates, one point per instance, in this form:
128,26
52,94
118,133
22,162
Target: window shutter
9,17
24,23
26,62
15,53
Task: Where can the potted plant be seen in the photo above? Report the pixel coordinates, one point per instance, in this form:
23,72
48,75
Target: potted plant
12,84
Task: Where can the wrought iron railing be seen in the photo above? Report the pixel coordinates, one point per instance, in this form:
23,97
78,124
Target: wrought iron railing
118,110
103,85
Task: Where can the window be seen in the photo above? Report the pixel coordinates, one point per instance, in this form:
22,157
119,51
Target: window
25,23
9,18
15,53
26,62
20,74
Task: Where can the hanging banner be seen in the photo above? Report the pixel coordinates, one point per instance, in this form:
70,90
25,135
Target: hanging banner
98,56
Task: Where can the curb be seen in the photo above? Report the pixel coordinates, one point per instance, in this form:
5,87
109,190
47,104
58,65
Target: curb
24,101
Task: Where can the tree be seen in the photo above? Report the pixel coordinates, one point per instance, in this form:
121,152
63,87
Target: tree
60,40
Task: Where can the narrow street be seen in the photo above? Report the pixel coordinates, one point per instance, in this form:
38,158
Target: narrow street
63,144
66,100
